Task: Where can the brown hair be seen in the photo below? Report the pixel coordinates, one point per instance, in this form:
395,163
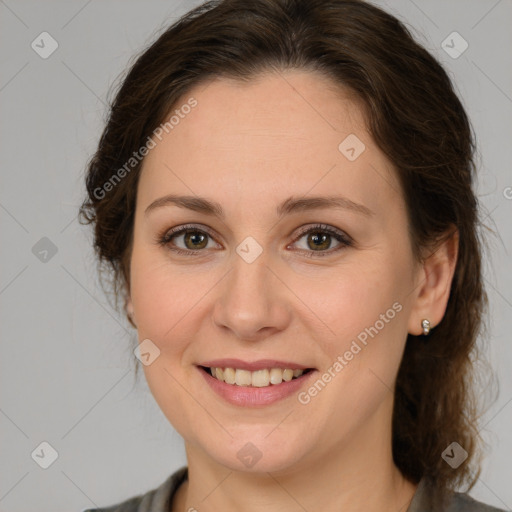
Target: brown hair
416,119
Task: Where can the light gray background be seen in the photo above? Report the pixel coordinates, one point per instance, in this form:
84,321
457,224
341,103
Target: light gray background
66,364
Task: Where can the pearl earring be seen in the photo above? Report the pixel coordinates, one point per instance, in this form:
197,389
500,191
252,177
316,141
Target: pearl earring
425,324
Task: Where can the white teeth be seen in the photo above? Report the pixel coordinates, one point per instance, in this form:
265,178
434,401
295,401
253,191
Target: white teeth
243,378
287,375
276,376
258,378
229,376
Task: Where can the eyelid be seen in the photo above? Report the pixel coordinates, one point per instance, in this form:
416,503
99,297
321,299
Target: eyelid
343,239
325,228
165,236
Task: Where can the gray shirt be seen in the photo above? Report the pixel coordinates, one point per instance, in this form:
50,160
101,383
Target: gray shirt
159,499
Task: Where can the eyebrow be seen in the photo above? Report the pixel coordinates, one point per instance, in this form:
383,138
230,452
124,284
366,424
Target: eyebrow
290,205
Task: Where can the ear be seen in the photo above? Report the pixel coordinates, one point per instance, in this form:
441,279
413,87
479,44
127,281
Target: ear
130,313
434,283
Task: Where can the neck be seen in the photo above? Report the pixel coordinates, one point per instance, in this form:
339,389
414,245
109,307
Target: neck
358,475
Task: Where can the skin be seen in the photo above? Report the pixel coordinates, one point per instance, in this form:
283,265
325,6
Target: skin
249,147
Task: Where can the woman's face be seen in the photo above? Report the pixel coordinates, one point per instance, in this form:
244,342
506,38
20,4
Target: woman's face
272,276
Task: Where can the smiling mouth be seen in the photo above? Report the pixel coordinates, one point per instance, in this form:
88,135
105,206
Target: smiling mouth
257,379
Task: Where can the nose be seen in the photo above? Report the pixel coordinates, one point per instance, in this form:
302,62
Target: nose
252,302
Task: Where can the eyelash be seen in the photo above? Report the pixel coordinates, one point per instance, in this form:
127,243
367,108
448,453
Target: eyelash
166,237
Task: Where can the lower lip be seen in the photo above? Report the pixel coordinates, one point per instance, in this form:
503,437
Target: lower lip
248,396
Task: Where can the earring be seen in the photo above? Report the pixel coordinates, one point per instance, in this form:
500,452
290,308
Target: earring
425,324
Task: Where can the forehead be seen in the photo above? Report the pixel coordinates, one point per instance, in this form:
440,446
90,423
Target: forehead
279,133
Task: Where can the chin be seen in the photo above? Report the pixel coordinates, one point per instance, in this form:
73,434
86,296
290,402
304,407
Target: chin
257,451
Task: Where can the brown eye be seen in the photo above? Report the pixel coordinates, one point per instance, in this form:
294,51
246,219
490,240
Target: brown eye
195,240
319,239
187,240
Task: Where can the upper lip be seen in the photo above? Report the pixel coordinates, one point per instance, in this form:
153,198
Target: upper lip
253,366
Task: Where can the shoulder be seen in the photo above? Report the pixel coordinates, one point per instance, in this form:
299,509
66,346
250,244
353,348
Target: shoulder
130,505
155,500
429,498
462,502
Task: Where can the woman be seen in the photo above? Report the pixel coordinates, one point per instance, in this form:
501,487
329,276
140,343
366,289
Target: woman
283,191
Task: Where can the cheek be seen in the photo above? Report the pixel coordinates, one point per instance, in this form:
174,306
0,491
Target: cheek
363,312
354,300
161,299
164,300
